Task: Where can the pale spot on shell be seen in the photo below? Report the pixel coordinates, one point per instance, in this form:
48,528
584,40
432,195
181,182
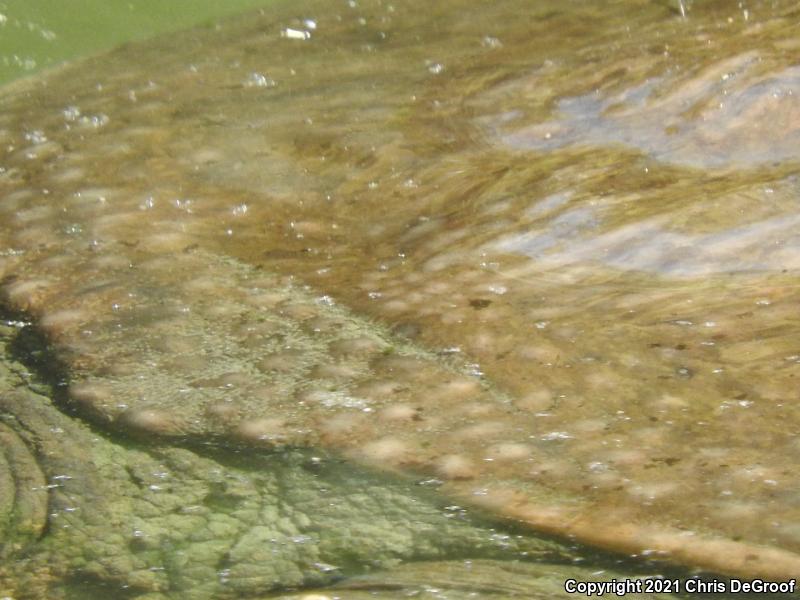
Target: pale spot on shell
590,425
476,410
68,175
90,395
546,517
206,155
454,317
480,431
387,450
27,294
111,261
605,481
58,322
309,227
341,427
225,310
265,299
399,412
510,452
537,401
461,389
150,420
604,379
552,468
670,402
495,499
737,510
224,412
36,213
648,491
168,242
42,151
265,431
379,390
651,436
396,306
61,262
438,287
627,458
455,466
112,225
265,393
13,200
542,352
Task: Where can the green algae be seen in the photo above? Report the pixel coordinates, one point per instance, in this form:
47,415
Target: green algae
40,34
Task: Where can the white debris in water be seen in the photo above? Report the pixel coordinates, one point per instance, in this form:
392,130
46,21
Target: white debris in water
556,435
36,136
295,34
597,467
71,113
94,121
257,80
436,68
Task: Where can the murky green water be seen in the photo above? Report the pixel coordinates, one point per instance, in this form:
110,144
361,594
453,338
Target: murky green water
36,34
540,259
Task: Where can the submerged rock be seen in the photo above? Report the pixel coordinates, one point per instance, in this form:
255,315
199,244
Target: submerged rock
604,344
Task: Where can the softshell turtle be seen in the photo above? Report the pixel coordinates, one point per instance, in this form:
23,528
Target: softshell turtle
446,241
